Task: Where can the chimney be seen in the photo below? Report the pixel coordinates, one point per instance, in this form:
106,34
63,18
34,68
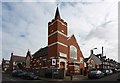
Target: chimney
12,54
102,51
91,52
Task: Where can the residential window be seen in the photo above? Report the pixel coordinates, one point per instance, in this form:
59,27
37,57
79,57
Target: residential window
7,62
92,64
81,60
14,63
38,62
44,63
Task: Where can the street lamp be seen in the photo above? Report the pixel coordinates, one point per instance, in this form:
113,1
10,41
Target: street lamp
92,50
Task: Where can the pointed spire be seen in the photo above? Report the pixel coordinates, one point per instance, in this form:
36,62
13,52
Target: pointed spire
28,52
57,14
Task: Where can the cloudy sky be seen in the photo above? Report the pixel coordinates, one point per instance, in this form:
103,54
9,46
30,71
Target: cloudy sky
25,25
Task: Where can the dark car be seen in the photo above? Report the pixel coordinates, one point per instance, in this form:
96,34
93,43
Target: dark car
106,72
22,74
16,72
31,76
118,70
95,74
110,72
114,70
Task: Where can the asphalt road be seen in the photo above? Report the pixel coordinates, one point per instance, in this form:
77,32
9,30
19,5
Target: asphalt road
113,77
9,79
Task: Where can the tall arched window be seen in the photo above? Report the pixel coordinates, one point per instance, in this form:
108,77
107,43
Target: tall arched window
73,52
28,62
92,64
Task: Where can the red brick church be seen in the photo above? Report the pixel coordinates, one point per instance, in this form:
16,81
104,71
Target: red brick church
62,52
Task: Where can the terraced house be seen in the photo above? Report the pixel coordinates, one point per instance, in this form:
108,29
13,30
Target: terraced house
62,52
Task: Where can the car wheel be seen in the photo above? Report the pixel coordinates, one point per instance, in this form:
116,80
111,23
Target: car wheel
27,78
98,77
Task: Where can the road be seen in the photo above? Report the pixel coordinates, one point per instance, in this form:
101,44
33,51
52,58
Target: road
6,78
113,77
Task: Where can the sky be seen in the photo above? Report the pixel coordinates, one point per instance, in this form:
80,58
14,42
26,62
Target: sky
24,25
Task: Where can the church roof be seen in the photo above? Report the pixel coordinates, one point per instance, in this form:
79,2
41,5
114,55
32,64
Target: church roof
41,52
96,59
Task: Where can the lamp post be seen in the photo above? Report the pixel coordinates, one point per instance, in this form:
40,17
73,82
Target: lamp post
102,58
102,50
92,50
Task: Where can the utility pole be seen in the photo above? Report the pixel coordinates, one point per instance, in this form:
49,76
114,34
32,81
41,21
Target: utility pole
102,57
102,50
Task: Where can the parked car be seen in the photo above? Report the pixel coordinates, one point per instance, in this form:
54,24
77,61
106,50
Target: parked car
22,74
106,72
110,71
118,70
95,74
114,70
16,72
31,76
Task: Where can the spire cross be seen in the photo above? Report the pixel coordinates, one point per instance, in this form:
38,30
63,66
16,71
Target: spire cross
58,3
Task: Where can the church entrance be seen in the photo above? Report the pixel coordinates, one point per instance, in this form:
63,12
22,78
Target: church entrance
62,65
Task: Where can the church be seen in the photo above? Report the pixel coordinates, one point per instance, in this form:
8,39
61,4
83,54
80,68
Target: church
62,52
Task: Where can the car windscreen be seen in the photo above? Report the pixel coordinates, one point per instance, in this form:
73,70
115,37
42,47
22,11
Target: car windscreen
94,72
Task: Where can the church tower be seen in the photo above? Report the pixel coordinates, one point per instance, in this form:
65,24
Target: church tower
57,40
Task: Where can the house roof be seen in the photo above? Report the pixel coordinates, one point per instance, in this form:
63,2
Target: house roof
96,59
86,59
5,60
18,58
41,52
29,54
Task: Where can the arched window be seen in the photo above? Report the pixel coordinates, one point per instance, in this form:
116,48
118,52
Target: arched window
92,64
73,52
28,62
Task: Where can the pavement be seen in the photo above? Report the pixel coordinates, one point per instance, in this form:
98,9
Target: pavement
113,77
67,78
